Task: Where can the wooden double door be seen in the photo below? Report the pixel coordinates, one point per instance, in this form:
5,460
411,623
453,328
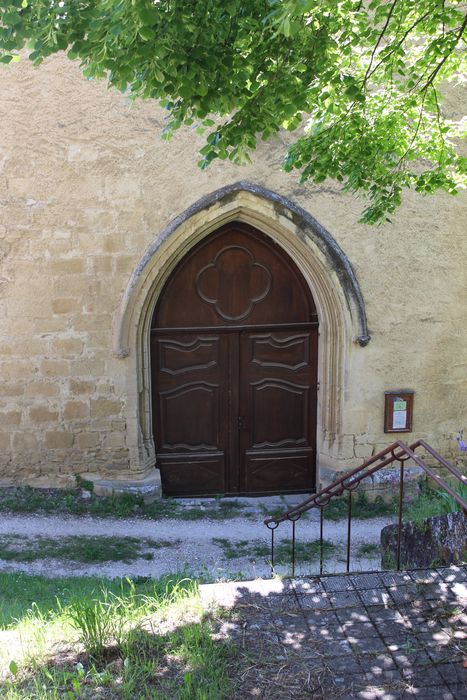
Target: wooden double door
234,364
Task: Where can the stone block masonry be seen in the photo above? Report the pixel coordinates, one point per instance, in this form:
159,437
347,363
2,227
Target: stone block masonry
87,185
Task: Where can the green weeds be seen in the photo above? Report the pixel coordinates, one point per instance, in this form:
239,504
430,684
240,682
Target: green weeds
368,549
304,551
257,549
71,501
111,639
362,507
431,502
86,549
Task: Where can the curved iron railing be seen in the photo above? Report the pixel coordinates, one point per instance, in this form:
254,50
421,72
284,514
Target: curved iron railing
396,452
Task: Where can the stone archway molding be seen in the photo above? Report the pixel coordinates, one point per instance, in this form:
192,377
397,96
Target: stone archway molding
323,264
310,227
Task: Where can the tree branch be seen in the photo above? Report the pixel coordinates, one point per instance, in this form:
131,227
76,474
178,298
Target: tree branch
399,43
445,58
380,38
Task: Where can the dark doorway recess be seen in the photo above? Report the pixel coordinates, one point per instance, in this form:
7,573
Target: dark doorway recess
234,365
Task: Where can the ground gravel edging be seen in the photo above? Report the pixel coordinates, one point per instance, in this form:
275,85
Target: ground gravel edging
196,553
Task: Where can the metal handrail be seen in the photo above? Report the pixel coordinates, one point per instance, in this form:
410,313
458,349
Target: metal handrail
396,452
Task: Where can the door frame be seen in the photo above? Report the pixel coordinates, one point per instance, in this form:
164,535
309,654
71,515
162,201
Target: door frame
325,268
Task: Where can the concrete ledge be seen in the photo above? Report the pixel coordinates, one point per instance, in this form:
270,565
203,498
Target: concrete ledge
149,487
382,483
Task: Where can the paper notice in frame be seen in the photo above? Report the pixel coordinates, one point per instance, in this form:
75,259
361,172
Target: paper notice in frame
399,419
398,411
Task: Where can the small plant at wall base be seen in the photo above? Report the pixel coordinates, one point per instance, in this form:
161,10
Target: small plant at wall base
84,484
461,442
431,501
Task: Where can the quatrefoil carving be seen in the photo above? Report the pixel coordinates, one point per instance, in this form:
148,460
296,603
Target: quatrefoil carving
233,283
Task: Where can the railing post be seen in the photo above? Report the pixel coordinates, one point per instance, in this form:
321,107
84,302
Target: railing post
401,505
272,526
272,551
321,529
349,525
293,548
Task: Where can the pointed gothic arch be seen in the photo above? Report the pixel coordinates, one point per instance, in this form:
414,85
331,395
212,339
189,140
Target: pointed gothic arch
323,264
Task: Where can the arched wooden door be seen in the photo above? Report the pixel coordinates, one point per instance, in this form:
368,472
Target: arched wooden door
234,366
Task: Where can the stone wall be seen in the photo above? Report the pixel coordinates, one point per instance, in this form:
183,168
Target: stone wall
87,184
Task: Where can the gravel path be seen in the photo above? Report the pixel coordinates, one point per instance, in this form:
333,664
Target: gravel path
195,553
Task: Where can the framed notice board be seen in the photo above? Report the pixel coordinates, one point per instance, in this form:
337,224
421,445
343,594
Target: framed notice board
398,411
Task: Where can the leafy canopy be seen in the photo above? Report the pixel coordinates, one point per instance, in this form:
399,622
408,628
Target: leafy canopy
358,81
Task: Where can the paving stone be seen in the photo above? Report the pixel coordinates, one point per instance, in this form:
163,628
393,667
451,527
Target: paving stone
289,622
458,690
380,596
366,645
320,618
333,647
317,601
360,629
378,663
337,583
419,624
346,664
422,677
394,578
440,656
402,594
362,693
312,585
430,591
367,581
438,692
351,615
437,639
381,677
425,575
326,632
403,643
287,601
452,574
381,613
359,646
344,599
411,658
453,673
393,630
293,638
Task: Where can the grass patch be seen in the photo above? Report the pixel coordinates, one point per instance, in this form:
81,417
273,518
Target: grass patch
86,549
238,549
26,499
431,502
257,549
368,550
362,507
97,638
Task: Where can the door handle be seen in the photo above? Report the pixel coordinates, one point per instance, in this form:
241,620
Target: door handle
242,423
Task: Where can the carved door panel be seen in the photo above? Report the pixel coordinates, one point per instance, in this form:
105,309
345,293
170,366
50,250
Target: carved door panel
233,355
191,419
277,386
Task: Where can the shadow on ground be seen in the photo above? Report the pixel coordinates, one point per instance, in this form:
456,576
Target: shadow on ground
365,636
